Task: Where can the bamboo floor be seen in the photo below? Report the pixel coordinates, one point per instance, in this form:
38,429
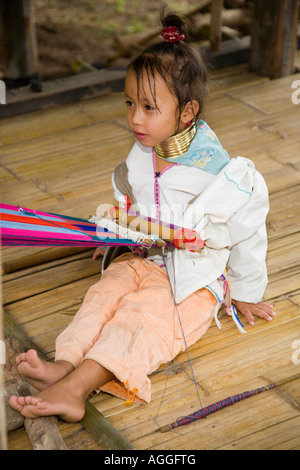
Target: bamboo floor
60,160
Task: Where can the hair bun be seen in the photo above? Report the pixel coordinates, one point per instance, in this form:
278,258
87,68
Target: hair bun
180,27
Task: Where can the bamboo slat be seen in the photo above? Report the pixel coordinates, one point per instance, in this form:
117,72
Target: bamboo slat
32,283
55,120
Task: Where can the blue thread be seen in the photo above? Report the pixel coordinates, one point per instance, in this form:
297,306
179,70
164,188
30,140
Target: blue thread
236,315
240,189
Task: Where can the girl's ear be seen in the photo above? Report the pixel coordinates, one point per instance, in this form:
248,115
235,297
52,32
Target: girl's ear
190,111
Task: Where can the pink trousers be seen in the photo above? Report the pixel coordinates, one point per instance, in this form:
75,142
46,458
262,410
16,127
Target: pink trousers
128,323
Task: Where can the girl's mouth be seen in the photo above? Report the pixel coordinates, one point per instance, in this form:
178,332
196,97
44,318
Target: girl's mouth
140,136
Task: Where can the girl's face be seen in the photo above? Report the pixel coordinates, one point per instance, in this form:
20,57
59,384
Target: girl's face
151,122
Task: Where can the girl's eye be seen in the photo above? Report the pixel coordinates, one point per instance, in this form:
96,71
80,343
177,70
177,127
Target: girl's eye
148,107
129,103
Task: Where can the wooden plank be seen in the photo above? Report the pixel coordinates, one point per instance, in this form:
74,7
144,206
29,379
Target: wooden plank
59,119
284,212
283,253
282,436
46,154
228,78
18,440
261,96
17,258
101,429
63,91
30,281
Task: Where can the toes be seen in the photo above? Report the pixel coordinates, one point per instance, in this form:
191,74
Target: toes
20,358
21,401
32,400
32,357
15,403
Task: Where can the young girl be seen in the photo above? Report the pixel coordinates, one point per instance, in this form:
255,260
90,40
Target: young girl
145,310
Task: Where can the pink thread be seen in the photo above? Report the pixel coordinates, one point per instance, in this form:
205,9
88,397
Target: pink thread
156,185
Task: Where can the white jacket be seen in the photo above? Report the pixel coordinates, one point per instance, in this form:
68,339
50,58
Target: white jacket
227,210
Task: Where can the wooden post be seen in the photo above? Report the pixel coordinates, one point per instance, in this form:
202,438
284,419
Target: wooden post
17,26
215,25
274,37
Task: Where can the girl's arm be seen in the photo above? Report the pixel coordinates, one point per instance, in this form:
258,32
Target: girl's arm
247,269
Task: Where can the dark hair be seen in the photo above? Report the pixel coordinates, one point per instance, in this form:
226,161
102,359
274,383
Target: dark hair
180,66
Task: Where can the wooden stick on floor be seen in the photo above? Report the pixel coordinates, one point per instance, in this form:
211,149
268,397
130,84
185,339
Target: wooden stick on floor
229,401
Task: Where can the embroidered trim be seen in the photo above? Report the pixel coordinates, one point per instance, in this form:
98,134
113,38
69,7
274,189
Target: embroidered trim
232,181
214,294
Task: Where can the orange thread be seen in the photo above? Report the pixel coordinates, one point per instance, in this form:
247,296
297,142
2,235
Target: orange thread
130,395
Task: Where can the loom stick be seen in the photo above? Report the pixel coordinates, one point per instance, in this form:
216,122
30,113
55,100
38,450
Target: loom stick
165,232
219,405
145,225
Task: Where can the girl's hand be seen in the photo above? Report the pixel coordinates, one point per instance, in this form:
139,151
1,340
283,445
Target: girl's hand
98,252
188,239
260,309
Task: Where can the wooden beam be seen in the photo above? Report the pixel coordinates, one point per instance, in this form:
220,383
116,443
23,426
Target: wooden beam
62,91
274,37
103,431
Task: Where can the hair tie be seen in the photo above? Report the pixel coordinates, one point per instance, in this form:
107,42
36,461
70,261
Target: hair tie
172,34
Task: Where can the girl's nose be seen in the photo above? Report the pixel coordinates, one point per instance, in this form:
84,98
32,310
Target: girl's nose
136,117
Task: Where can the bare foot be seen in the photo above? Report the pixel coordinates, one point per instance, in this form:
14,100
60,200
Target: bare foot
39,373
60,399
66,397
